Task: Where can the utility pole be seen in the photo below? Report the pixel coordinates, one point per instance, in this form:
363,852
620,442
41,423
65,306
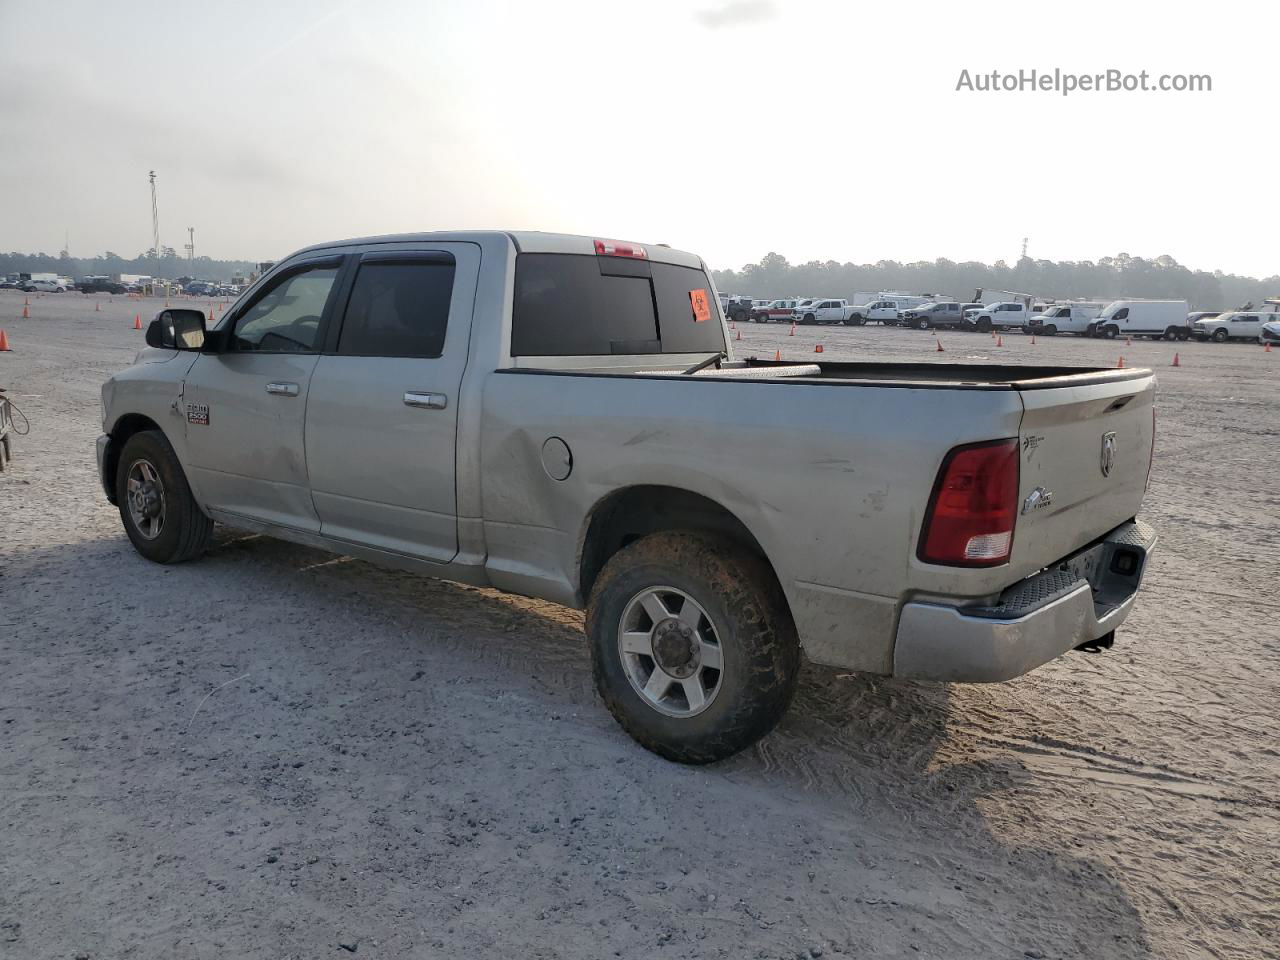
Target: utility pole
191,251
1024,247
155,216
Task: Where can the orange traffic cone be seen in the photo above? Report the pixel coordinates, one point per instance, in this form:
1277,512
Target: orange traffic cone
1266,347
97,307
1128,341
1176,361
999,341
211,313
793,331
4,342
939,350
137,321
739,336
777,355
1033,339
26,312
1120,365
818,348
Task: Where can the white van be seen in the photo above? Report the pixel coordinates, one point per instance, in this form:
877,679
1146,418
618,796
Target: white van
1077,318
1144,318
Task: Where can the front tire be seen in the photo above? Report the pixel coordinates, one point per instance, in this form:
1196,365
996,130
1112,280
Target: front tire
160,516
1220,336
1110,332
1049,330
693,648
808,319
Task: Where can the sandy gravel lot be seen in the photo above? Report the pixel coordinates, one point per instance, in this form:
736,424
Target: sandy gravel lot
276,753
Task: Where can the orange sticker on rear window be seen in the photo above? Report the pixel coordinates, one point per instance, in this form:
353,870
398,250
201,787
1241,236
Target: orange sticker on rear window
701,306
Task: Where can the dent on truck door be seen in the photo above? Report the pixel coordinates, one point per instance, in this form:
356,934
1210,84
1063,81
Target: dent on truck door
244,407
382,417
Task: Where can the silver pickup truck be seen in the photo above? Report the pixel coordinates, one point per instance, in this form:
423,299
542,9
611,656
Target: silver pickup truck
563,417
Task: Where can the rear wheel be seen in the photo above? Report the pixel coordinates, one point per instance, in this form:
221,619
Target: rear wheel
159,514
693,648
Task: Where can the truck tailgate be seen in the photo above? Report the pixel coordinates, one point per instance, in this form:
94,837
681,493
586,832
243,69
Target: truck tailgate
1085,455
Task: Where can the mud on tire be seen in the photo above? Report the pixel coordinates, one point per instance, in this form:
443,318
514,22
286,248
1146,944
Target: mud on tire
746,611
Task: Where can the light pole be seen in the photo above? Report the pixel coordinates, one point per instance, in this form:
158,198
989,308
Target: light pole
155,217
191,251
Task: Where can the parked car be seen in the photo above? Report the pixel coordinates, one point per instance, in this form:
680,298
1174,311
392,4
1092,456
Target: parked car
739,309
531,412
1165,319
887,312
1233,325
1007,315
823,311
100,285
43,286
774,310
9,284
1077,318
942,314
1270,332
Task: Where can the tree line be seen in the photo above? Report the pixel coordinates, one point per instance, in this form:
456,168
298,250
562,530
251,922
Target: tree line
167,265
1111,278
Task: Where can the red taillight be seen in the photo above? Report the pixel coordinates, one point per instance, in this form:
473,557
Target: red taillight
974,506
611,248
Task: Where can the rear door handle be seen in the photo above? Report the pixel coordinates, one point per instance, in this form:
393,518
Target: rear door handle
283,389
428,401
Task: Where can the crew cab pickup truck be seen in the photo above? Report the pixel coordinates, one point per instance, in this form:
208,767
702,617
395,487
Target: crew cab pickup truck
564,417
1009,315
823,311
944,314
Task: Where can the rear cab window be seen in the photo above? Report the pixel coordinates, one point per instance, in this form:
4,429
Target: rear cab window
585,305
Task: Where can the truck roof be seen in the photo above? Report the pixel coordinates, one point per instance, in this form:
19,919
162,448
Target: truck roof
526,241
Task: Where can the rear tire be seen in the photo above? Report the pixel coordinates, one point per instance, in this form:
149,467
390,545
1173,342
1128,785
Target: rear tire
160,516
739,620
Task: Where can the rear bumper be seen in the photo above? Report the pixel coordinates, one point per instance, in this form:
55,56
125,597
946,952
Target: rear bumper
1078,600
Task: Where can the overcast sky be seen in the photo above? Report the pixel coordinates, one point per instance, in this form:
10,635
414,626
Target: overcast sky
819,130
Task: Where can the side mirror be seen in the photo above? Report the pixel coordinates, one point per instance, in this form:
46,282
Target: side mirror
177,329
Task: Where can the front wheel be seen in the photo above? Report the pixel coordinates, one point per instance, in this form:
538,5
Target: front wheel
807,319
160,516
984,324
1049,330
1110,332
1219,336
693,648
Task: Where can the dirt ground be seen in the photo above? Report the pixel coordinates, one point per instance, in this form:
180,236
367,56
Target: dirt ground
275,753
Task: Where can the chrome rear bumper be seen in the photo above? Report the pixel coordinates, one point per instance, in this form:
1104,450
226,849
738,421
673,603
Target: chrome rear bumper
1078,600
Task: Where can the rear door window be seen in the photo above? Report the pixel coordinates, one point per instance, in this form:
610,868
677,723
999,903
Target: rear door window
398,309
582,305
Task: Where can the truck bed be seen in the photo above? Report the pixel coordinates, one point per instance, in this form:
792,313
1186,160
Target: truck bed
951,376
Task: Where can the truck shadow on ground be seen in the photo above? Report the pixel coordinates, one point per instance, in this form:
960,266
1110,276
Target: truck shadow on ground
863,750
873,747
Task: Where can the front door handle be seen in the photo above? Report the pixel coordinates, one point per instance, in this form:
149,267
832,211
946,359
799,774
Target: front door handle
428,401
283,389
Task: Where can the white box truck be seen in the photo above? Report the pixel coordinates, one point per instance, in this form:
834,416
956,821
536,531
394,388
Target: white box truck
1156,319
